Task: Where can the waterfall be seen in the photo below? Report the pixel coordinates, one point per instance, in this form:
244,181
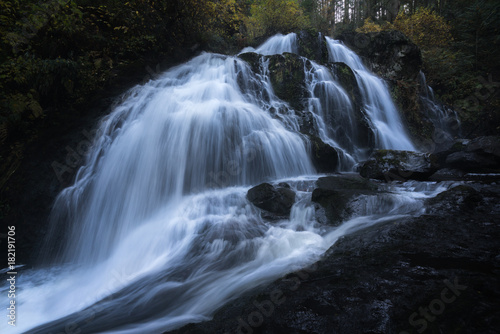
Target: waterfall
334,116
192,129
157,231
275,45
389,130
445,120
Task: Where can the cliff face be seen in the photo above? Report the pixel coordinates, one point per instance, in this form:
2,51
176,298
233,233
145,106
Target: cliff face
390,54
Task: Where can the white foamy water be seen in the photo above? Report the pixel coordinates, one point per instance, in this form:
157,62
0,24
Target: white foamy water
157,231
379,107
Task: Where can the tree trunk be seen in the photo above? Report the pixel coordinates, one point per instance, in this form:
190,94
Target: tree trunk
346,11
393,10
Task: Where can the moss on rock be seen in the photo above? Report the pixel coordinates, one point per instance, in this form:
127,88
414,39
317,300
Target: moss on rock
286,73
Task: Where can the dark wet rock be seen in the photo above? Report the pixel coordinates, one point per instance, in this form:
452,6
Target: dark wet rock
275,200
390,53
312,46
287,76
284,185
253,59
386,279
489,146
399,165
469,161
333,195
347,79
459,198
363,136
324,157
447,174
481,154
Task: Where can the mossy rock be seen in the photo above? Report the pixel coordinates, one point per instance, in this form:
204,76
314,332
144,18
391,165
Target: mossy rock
253,59
406,95
364,136
312,45
347,80
286,73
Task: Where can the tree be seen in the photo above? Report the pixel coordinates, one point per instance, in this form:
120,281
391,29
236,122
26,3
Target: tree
425,28
269,17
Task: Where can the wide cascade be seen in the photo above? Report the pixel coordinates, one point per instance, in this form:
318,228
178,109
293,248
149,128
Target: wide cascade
157,232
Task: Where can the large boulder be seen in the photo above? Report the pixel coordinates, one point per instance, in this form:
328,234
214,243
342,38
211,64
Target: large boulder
277,201
334,193
486,146
324,157
469,161
481,154
253,59
399,165
460,198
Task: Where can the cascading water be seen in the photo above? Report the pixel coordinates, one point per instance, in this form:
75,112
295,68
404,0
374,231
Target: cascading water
158,231
334,116
276,45
379,107
445,120
174,136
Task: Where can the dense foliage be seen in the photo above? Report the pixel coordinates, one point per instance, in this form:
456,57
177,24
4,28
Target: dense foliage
460,48
268,17
57,54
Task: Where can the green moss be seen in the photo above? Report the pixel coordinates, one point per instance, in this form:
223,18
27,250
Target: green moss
287,77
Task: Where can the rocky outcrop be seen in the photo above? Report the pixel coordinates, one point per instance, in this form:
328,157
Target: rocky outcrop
253,59
399,165
390,53
347,80
364,136
287,76
324,157
333,195
312,46
277,201
481,155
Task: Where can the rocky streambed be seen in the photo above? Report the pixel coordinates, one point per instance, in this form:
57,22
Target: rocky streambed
436,270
